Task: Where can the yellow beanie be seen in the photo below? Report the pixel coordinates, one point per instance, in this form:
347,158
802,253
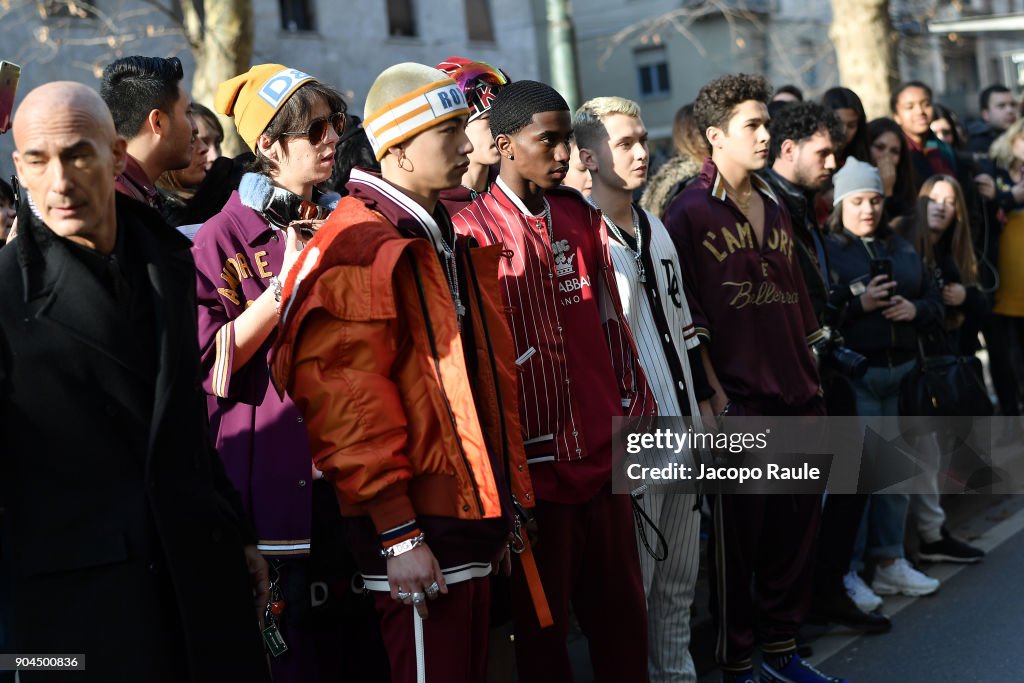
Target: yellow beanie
405,100
253,98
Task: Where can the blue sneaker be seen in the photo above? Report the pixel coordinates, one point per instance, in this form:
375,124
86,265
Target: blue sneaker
797,671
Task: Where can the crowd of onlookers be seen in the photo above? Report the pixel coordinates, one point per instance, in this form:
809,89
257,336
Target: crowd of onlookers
393,398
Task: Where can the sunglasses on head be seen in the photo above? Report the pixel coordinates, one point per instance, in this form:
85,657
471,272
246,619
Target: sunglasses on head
317,131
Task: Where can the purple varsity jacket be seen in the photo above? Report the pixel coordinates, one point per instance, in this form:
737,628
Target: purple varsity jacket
749,300
260,437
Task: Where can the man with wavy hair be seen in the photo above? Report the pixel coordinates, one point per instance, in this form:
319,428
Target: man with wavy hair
743,283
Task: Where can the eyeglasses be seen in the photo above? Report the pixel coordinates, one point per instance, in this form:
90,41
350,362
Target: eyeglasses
317,131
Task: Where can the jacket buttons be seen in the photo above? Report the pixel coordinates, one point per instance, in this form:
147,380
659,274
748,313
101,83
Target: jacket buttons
529,496
575,433
302,482
578,451
681,385
519,467
465,508
667,337
298,419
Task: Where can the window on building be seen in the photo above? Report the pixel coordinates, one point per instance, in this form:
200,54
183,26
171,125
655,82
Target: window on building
652,73
478,20
297,15
401,18
808,52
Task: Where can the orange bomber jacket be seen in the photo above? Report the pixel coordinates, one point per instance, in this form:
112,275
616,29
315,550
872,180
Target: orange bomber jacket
369,348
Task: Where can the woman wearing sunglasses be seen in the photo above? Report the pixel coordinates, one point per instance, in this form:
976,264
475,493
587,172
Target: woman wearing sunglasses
291,122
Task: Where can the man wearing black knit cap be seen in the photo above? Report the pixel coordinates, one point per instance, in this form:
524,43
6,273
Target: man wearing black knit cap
578,369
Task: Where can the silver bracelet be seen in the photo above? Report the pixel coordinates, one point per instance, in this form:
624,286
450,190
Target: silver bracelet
401,548
277,287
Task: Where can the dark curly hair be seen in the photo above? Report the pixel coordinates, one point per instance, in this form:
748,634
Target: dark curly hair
718,99
517,102
801,120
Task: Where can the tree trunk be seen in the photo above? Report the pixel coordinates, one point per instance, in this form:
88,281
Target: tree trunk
866,51
222,46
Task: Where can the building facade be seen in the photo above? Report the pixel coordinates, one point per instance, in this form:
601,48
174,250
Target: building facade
346,43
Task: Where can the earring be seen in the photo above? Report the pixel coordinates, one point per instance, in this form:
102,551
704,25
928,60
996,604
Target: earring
401,163
509,157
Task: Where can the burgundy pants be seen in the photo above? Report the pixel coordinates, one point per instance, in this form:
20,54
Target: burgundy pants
770,540
587,555
455,634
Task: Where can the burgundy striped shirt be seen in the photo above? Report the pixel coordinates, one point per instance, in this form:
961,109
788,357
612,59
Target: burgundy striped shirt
577,360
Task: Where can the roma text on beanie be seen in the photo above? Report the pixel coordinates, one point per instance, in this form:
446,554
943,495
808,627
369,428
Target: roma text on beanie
407,99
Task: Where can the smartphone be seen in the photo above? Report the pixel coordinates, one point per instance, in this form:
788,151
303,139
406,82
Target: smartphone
10,74
882,266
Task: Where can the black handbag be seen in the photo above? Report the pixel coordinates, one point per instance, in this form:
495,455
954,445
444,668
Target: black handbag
944,386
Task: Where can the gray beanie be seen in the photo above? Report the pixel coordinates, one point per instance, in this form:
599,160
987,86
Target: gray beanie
855,176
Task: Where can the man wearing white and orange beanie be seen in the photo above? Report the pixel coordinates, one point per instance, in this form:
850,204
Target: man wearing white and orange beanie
393,345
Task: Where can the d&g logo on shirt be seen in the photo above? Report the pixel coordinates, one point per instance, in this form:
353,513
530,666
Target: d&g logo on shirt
564,269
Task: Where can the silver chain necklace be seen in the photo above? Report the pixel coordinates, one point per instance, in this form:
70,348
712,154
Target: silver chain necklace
638,253
547,222
452,274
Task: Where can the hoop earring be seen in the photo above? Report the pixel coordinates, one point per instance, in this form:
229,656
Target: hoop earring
401,164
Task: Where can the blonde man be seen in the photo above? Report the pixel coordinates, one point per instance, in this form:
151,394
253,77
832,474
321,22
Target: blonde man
612,143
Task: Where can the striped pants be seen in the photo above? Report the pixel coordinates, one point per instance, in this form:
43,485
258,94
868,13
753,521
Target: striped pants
768,540
669,584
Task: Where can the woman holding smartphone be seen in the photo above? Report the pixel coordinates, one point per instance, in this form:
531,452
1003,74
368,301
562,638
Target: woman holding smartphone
292,123
889,297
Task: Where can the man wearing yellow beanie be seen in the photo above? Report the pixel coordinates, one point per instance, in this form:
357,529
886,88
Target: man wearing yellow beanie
394,346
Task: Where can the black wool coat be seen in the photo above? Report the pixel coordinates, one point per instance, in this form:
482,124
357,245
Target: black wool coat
124,535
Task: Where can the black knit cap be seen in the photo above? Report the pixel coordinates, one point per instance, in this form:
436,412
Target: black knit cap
518,101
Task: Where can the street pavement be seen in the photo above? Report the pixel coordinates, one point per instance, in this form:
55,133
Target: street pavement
971,629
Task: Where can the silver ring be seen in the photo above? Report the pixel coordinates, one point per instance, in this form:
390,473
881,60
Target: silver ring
402,595
418,598
432,589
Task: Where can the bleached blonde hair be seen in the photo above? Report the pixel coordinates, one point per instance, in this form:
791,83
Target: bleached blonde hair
1001,150
588,121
